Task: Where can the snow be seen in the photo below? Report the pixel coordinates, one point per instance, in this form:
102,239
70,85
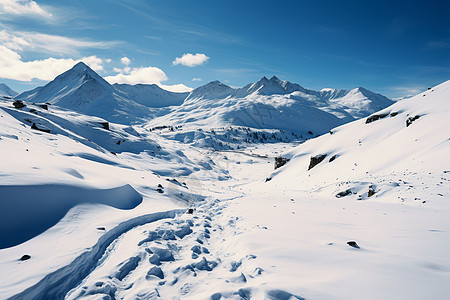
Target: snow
7,91
101,207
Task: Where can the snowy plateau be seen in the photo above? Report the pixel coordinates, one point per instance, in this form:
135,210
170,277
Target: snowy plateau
269,191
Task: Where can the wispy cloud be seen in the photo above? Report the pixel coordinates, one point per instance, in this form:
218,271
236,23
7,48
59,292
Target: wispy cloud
52,44
23,8
197,79
13,67
400,92
191,60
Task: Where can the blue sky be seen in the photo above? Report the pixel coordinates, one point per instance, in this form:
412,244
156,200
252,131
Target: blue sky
396,48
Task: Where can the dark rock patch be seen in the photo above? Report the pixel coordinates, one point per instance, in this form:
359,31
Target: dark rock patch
25,257
371,191
105,125
35,127
43,106
18,104
333,157
410,120
344,193
315,160
280,161
353,244
374,118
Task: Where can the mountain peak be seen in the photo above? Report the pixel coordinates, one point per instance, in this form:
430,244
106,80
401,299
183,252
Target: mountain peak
7,91
273,85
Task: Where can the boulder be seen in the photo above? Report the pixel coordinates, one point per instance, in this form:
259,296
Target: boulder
315,160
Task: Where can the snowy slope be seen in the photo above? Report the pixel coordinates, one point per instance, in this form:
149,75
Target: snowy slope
409,135
81,89
7,91
150,95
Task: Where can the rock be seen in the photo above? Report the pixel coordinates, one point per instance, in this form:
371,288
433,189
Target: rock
25,257
18,104
344,193
371,191
374,118
101,228
43,106
315,160
34,126
268,179
410,120
353,244
280,161
394,113
190,211
105,125
333,157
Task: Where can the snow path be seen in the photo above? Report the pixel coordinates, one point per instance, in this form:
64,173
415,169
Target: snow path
57,284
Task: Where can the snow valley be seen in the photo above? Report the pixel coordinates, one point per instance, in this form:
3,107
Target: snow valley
269,191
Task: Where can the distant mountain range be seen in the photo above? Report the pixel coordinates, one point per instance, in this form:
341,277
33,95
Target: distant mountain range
265,104
7,91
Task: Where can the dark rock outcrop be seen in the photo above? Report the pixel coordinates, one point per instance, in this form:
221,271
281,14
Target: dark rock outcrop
353,244
371,191
410,120
105,125
344,193
35,127
315,160
374,118
18,104
280,161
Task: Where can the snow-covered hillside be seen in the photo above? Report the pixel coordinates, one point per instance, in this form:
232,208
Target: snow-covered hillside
211,199
150,95
6,91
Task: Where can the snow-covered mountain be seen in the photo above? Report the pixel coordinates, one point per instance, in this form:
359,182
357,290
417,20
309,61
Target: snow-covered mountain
7,91
82,90
270,106
150,95
266,104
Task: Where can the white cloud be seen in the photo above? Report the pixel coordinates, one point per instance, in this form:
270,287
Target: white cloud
191,60
138,75
13,67
196,79
46,43
145,75
125,60
22,7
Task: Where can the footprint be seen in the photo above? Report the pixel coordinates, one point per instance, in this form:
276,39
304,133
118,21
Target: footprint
128,266
164,254
155,271
183,231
